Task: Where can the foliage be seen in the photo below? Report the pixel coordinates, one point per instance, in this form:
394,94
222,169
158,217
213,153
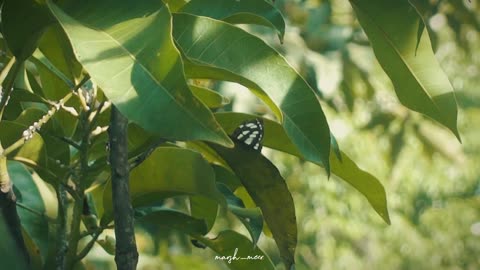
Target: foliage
163,66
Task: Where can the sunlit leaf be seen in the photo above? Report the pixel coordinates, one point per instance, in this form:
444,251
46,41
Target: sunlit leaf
344,168
137,66
403,48
242,12
218,50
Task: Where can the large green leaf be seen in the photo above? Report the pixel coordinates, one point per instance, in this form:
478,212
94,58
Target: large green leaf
127,49
23,23
243,12
161,218
235,249
11,254
269,191
219,50
35,204
250,217
167,172
402,46
343,167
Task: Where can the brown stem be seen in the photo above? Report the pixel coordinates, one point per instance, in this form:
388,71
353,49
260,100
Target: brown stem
126,254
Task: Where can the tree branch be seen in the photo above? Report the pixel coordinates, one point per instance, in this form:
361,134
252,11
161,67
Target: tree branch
126,254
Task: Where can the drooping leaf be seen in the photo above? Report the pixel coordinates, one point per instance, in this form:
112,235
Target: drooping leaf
35,203
174,220
344,168
159,177
11,254
402,46
23,23
218,50
230,245
251,218
137,65
204,208
242,12
269,191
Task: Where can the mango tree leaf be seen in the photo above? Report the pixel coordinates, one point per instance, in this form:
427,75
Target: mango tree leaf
32,152
403,49
55,46
167,172
127,49
23,23
344,168
209,97
242,12
33,205
217,50
173,220
251,218
268,189
204,208
11,254
237,251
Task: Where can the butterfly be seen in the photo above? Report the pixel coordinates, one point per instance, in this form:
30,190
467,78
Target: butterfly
250,133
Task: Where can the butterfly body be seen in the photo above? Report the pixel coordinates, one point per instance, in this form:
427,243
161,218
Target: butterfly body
250,133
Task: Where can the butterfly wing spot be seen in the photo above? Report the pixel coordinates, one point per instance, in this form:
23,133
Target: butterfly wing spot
248,141
250,133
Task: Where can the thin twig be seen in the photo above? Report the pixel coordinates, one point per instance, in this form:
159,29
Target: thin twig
89,245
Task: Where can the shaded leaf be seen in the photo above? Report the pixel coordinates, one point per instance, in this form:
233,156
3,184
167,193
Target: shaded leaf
174,220
33,205
23,23
231,243
158,177
250,217
269,191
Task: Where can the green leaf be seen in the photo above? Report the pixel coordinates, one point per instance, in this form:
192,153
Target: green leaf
209,97
269,191
250,217
276,138
241,12
174,220
35,203
23,23
127,49
56,47
32,152
218,50
231,243
167,172
403,48
204,208
11,254
226,177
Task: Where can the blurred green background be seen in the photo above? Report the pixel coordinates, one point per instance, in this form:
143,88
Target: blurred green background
432,181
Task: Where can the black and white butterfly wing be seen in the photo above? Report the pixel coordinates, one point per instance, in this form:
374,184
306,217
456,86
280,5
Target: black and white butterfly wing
250,133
